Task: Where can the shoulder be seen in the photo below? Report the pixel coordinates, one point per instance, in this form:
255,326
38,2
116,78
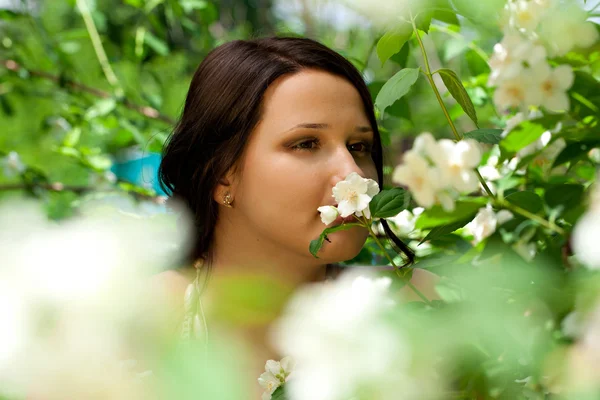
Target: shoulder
166,292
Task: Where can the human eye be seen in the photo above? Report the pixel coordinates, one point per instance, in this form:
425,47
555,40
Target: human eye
361,147
310,145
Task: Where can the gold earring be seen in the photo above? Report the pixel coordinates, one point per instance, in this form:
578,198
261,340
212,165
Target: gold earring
227,200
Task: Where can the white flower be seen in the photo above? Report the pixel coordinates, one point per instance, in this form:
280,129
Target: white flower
276,374
457,162
525,14
404,223
511,55
354,194
585,239
270,383
485,223
565,27
328,214
422,179
13,164
553,84
518,91
337,335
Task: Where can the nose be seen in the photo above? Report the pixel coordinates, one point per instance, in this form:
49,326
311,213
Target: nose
342,164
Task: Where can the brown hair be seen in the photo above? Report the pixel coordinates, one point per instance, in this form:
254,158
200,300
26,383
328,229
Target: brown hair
223,106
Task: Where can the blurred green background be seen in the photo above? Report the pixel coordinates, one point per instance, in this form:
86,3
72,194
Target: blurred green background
91,89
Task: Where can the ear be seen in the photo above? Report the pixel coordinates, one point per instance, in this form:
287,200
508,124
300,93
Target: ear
225,185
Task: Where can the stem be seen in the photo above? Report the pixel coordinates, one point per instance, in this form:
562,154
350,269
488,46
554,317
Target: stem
396,268
429,76
482,54
484,184
98,48
533,217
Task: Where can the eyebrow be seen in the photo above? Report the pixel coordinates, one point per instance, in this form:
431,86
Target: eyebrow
360,128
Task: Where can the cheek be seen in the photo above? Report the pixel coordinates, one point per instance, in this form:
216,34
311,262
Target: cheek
279,187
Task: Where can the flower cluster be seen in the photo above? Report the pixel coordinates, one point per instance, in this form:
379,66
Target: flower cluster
276,374
353,196
436,171
534,30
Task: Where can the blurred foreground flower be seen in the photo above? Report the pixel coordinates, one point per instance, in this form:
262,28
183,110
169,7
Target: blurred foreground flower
587,231
71,301
342,344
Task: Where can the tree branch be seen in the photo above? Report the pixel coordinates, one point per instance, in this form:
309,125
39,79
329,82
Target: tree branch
146,111
60,187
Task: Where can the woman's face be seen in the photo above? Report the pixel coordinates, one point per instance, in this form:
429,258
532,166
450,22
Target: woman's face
312,134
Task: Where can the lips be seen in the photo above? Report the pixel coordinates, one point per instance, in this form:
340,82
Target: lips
340,220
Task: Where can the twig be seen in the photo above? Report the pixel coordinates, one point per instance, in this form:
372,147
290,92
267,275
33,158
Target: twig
146,111
60,187
98,48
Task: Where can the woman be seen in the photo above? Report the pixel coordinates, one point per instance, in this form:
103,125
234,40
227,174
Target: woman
268,128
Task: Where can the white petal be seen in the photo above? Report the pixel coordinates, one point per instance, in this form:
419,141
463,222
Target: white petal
362,202
446,201
340,190
372,188
288,364
328,214
425,197
268,381
401,175
563,76
557,102
273,367
346,208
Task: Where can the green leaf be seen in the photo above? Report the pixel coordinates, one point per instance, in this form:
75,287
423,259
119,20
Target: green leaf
400,108
393,41
388,203
567,195
279,394
458,91
101,108
523,135
490,136
158,45
72,137
574,151
396,87
447,228
449,290
436,215
315,245
401,58
527,200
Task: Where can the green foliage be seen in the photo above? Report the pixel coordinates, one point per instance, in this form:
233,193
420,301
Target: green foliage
389,203
395,88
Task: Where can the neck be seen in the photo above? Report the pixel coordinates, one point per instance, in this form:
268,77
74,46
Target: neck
237,251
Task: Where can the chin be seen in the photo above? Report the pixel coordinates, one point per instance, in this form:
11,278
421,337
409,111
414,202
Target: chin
344,245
